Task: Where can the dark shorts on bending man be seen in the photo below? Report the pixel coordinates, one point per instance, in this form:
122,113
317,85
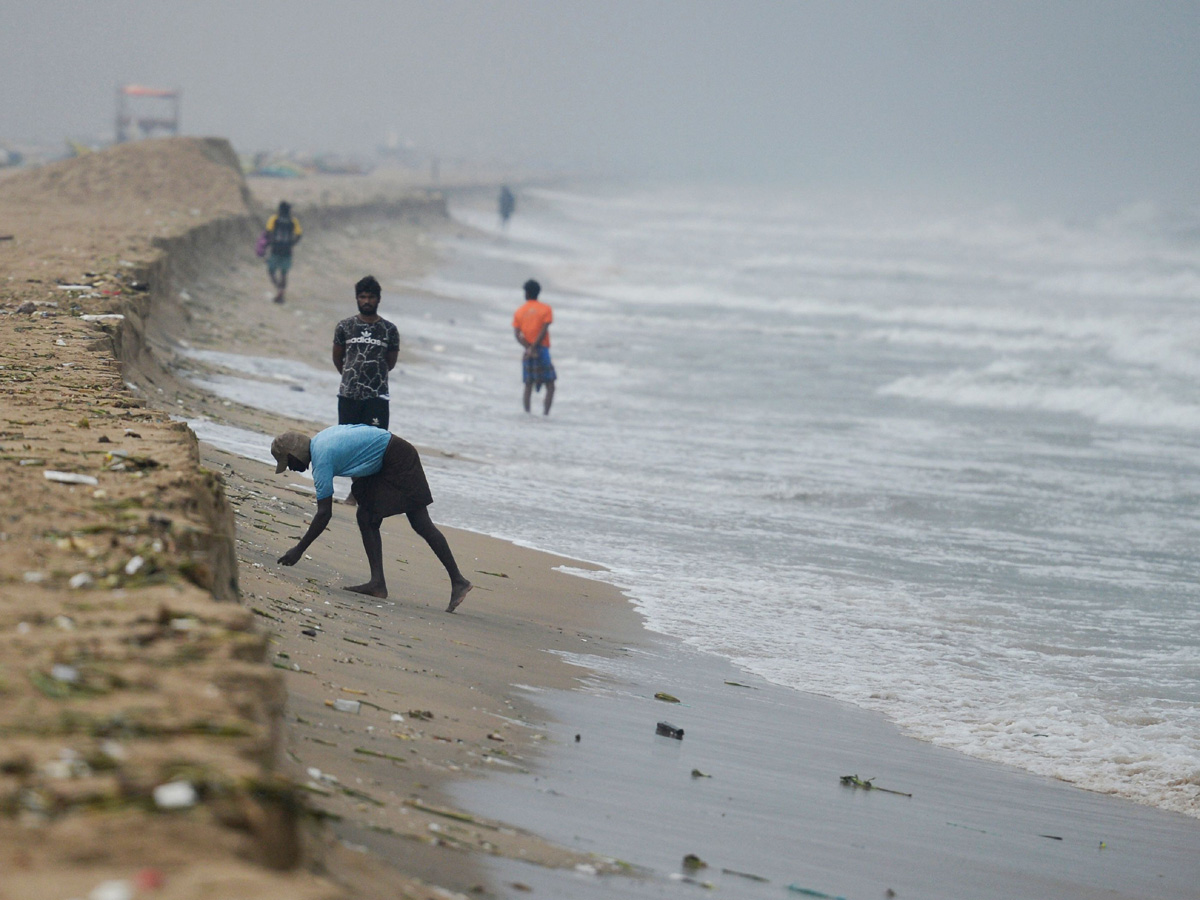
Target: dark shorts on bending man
399,487
363,411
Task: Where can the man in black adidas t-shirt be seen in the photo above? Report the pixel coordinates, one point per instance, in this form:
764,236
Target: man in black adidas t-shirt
365,349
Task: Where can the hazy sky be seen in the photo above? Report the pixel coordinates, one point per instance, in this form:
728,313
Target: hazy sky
1089,98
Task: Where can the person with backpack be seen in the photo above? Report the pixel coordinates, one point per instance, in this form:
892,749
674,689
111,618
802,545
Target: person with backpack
283,233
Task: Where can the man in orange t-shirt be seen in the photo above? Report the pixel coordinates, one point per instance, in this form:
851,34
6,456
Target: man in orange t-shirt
531,326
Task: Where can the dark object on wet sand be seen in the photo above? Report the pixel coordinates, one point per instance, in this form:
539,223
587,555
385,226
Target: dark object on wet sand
866,784
666,729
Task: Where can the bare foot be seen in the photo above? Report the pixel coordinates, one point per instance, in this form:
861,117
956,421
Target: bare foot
370,589
457,593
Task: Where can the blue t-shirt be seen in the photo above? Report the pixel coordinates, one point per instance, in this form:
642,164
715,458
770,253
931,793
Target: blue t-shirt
354,451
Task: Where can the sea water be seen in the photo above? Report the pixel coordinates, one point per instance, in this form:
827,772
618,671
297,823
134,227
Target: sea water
940,463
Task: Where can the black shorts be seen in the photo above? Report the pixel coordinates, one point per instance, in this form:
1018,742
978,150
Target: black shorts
368,411
398,487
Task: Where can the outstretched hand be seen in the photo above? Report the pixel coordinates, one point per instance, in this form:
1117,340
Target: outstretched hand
291,557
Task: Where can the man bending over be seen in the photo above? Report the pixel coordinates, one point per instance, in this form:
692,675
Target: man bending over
389,480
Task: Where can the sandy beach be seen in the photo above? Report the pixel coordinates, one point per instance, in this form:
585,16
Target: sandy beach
335,745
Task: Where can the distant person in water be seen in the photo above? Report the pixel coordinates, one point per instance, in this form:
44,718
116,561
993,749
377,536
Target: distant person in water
283,233
389,480
508,205
365,349
531,327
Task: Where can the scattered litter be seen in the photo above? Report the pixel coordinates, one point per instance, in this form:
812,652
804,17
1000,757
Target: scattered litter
69,477
175,795
34,577
343,705
748,875
691,862
696,773
665,697
24,628
585,869
104,317
309,631
112,890
64,673
688,879
81,580
1053,837
63,623
666,729
396,717
739,684
31,462
149,880
133,565
494,736
809,892
855,781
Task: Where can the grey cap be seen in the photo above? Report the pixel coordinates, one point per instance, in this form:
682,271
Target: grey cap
290,443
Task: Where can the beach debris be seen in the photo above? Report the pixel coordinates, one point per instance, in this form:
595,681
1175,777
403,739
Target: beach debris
688,879
34,577
117,889
132,567
64,673
810,892
495,736
578,738
696,773
666,729
665,697
343,705
68,477
1052,837
1103,846
396,717
420,714
967,827
149,879
308,631
748,875
692,862
867,785
586,869
739,684
520,886
80,580
363,751
175,795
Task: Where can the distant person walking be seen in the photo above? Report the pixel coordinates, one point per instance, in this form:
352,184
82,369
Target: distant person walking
508,205
283,233
389,480
531,326
365,349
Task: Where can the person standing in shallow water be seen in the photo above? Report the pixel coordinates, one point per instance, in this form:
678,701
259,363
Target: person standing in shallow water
531,327
365,349
388,480
283,233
